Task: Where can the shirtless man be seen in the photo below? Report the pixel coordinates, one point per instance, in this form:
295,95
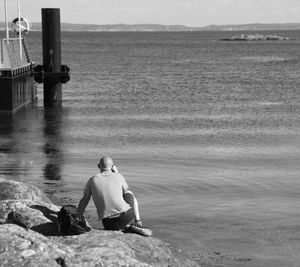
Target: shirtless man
116,205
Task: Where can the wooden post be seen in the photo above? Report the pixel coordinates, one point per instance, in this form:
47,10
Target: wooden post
51,56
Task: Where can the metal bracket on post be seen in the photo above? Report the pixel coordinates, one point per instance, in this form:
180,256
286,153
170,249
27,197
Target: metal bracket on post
63,76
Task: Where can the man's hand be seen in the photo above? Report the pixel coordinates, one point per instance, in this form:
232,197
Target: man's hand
138,223
79,216
114,169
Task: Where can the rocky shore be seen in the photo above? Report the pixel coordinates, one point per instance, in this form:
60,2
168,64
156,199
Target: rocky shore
256,37
29,237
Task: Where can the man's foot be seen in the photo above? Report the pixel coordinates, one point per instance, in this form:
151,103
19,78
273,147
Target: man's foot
138,230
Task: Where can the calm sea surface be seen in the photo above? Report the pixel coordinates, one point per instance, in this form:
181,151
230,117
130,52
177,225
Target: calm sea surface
206,133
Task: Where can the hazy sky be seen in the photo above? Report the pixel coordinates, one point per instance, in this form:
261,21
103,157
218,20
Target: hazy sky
183,12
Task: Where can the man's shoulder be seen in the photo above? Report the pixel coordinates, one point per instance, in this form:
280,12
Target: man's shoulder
120,178
117,177
111,175
91,179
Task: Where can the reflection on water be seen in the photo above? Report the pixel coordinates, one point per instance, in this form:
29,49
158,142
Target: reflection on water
31,144
52,148
8,144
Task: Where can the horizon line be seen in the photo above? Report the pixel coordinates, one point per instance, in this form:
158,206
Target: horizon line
183,25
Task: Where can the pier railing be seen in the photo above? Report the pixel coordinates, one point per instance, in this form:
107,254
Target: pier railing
10,54
11,64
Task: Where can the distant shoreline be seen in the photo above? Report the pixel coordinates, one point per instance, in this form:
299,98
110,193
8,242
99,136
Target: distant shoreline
36,26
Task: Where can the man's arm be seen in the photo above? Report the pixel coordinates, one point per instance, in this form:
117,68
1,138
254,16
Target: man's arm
134,204
87,193
136,212
82,204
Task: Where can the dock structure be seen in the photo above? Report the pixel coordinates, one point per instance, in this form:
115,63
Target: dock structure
17,87
18,73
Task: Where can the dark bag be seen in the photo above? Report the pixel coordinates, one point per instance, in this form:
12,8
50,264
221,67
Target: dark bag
69,223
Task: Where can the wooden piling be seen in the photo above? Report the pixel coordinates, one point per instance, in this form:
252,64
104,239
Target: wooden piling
51,56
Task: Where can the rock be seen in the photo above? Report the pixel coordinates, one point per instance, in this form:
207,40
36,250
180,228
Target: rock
27,206
118,249
19,247
96,248
17,190
38,242
39,216
256,37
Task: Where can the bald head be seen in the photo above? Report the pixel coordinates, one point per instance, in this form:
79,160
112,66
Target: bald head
105,164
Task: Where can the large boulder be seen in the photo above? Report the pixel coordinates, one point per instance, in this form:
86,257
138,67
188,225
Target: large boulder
27,206
17,190
35,241
19,247
115,248
38,216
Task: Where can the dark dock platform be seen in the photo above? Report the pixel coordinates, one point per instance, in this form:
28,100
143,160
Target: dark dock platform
17,86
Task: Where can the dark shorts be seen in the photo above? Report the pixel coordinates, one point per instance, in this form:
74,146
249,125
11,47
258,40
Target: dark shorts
120,221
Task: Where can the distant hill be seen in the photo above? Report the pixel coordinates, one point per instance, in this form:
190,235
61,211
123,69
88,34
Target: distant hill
112,27
253,27
158,27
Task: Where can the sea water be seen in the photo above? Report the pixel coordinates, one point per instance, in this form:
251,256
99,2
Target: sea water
206,133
